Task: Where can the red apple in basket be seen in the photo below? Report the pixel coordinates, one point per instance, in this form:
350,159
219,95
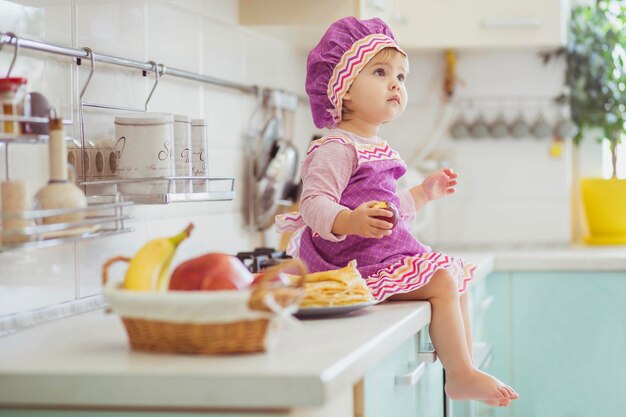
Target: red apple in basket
261,277
388,205
212,271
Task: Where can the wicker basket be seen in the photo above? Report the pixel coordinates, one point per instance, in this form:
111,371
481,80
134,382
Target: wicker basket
182,321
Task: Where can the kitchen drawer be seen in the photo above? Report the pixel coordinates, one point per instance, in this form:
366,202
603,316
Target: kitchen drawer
383,393
405,384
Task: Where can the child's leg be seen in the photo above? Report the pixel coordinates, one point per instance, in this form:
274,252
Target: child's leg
467,325
447,332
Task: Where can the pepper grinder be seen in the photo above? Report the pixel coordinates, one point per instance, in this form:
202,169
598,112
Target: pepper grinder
59,193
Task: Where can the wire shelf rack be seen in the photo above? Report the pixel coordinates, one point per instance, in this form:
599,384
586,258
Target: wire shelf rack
31,229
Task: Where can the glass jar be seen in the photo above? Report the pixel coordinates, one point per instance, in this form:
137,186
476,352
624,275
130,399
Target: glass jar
199,156
14,101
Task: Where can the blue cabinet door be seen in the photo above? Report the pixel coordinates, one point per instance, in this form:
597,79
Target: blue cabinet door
560,341
382,395
568,349
489,309
430,392
385,396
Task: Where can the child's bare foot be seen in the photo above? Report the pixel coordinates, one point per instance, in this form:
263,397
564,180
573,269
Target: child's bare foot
477,385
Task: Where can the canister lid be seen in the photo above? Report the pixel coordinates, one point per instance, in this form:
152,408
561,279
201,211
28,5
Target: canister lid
182,118
144,119
198,122
10,84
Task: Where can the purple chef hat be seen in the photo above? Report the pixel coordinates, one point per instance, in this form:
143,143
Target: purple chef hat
344,50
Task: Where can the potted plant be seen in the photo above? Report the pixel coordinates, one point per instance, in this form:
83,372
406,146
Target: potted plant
596,77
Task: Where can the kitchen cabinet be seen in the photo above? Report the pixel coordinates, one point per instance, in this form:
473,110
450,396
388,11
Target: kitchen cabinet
482,307
424,24
559,340
404,384
302,376
65,374
430,394
419,24
384,393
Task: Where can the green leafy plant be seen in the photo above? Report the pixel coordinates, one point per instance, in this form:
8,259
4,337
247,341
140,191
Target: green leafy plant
596,70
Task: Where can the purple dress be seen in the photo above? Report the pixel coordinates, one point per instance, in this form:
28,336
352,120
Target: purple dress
395,264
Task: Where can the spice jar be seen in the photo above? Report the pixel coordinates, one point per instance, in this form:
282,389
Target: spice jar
143,144
14,101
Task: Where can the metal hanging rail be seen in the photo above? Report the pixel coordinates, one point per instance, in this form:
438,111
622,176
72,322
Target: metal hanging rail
79,54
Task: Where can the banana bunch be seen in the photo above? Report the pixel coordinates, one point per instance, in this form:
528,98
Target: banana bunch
148,269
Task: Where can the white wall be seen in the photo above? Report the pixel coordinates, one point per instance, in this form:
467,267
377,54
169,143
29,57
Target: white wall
193,35
511,191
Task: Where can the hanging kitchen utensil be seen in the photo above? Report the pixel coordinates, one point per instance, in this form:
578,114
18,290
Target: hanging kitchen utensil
253,136
274,187
267,145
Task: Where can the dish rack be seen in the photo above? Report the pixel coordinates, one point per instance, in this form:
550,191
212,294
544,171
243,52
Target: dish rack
208,188
213,189
104,216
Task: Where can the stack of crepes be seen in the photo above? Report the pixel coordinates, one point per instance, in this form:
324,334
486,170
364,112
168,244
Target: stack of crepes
336,287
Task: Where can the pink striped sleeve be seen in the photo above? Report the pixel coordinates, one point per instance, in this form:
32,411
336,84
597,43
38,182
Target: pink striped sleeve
325,174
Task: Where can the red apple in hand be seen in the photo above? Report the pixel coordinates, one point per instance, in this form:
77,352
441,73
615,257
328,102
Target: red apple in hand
213,271
387,205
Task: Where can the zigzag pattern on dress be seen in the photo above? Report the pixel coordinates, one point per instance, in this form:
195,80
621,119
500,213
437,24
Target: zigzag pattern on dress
352,62
288,222
376,152
411,273
468,275
293,247
326,139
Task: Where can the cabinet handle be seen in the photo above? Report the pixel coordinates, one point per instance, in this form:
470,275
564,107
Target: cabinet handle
486,303
512,23
414,376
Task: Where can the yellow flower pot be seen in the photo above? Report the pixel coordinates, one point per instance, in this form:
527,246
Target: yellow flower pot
605,207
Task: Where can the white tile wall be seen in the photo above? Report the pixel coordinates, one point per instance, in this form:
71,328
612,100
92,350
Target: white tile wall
199,36
510,190
49,20
113,27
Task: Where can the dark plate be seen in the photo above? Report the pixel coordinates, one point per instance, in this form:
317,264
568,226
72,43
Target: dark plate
330,311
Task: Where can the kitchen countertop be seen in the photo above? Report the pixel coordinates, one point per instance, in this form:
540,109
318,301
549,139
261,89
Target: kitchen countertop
575,258
85,362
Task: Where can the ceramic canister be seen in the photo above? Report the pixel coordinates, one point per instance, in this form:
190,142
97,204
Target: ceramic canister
199,158
144,145
182,157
